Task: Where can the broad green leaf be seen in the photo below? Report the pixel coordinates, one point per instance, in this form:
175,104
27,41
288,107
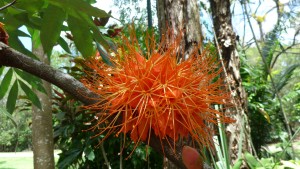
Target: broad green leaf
89,153
238,164
34,81
30,94
64,44
80,6
252,161
285,75
96,33
35,38
82,36
15,43
54,17
22,34
12,97
69,157
20,18
5,83
1,70
11,21
104,55
31,6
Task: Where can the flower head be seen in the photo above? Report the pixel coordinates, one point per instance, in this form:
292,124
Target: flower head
157,95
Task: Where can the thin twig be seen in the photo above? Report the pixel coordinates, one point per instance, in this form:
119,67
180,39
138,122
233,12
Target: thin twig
8,5
104,155
121,150
287,48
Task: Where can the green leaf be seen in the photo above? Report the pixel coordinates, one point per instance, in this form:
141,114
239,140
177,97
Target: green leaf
51,26
69,157
64,44
89,153
283,78
35,38
12,97
30,94
82,36
32,6
96,33
15,43
238,164
104,55
5,83
13,20
34,81
252,161
1,70
22,34
80,6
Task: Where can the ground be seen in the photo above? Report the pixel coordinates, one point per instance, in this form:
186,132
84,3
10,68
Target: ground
24,160
19,160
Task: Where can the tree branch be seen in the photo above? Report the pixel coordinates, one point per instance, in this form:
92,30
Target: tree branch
12,58
8,5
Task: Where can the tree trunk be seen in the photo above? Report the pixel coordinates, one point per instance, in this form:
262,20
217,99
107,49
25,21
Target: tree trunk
42,131
12,58
226,41
182,18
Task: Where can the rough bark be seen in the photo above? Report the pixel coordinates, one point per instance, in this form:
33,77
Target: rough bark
226,40
42,131
182,17
12,58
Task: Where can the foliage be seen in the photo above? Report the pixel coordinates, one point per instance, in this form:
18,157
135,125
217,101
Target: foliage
15,131
293,98
260,103
80,149
269,163
266,81
44,21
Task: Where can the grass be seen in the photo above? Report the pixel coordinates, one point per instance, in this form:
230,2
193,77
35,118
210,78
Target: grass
16,163
19,162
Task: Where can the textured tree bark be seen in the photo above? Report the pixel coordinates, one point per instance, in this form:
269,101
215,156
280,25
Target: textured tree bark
182,18
42,131
226,40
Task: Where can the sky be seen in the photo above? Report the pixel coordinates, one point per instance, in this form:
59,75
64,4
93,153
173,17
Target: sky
238,20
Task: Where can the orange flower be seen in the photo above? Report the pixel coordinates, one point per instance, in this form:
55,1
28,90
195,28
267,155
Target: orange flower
3,34
140,96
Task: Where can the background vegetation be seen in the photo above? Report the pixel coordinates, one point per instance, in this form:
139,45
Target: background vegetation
269,69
